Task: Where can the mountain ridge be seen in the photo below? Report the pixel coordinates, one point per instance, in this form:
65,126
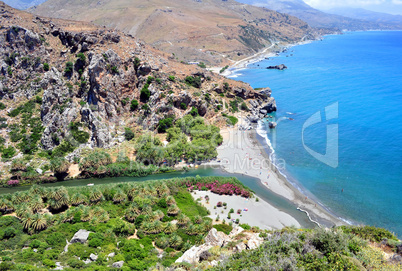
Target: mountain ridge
210,31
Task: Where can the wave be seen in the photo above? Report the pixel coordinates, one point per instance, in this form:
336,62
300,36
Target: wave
290,113
264,134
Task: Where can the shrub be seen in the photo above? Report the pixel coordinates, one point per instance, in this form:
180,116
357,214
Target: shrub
134,105
165,124
172,78
2,107
115,70
369,233
219,204
82,57
78,135
225,228
193,81
183,106
49,263
137,63
194,112
8,153
224,69
328,241
145,93
46,67
75,263
69,68
128,134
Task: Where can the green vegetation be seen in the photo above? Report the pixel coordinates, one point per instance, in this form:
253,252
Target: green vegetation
225,228
79,135
231,120
145,93
202,65
224,69
172,78
137,63
318,249
46,67
128,134
165,124
134,105
194,81
69,68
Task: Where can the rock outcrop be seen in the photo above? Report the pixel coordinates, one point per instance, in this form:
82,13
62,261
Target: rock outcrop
280,67
80,236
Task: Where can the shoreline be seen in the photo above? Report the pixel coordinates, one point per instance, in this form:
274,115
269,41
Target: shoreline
242,146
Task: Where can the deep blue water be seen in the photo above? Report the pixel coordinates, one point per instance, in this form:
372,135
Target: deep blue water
362,72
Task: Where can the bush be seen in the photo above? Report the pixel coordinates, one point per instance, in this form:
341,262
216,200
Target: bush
225,228
145,93
165,124
194,112
49,263
328,242
2,106
75,263
369,233
183,106
8,153
80,136
128,134
46,67
172,78
134,105
193,81
69,68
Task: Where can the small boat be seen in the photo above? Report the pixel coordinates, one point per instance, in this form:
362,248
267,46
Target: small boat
90,184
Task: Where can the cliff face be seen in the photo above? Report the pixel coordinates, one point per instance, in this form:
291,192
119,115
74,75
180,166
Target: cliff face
63,72
210,30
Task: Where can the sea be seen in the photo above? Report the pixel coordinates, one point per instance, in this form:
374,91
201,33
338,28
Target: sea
339,132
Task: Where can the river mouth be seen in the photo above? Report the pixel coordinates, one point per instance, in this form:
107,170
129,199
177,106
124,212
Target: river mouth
254,184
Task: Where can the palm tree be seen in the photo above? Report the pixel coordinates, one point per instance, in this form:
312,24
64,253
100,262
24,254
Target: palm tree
86,214
175,241
170,200
182,220
95,196
36,203
191,229
162,242
67,216
27,220
159,214
55,204
23,209
146,210
119,196
170,228
104,217
157,226
77,199
147,227
37,190
97,211
131,193
60,167
197,219
173,210
207,225
5,205
131,214
38,222
19,197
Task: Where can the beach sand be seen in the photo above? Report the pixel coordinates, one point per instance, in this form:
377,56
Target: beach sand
255,213
242,153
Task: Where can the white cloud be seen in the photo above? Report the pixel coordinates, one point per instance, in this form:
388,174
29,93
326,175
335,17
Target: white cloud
397,2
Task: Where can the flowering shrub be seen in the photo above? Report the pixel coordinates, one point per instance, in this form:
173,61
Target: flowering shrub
221,189
219,204
13,182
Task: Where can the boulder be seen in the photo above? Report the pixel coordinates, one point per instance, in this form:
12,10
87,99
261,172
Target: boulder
204,256
93,257
111,255
216,238
192,256
280,67
270,106
80,236
266,91
272,125
118,264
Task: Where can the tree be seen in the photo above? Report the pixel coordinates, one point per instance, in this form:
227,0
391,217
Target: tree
137,63
134,105
194,112
145,93
128,134
46,67
164,124
60,167
69,68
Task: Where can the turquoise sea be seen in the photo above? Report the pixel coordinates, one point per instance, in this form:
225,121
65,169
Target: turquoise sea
359,73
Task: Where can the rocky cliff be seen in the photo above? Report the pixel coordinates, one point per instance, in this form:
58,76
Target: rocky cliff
77,79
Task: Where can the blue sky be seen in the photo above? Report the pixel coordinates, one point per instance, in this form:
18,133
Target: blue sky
389,6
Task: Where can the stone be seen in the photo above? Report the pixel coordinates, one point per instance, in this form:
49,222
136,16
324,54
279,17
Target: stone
80,236
280,67
118,264
272,124
111,255
38,170
87,261
93,257
192,256
216,238
204,256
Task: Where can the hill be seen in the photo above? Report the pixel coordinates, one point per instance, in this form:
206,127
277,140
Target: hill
317,18
67,87
368,15
207,30
23,4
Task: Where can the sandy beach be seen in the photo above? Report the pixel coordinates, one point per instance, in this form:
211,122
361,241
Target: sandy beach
242,153
255,213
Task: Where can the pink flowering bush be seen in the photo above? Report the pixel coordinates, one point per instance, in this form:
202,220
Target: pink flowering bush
219,188
13,182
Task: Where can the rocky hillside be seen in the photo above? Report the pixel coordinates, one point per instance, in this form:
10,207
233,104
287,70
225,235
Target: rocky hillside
209,31
66,83
317,18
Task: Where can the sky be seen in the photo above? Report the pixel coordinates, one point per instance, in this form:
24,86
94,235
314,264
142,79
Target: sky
388,6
